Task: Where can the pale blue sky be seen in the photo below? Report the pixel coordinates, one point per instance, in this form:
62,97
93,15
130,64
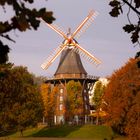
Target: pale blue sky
105,38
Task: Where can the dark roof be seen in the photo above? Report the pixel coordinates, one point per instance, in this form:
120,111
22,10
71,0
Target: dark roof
70,63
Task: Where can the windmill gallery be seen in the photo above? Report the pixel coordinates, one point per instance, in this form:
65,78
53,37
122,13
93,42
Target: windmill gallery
71,68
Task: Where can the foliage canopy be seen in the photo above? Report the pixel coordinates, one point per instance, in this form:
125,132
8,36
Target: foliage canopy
133,7
20,101
24,18
98,93
122,98
49,97
74,101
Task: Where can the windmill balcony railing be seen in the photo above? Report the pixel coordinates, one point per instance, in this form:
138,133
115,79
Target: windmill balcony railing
91,77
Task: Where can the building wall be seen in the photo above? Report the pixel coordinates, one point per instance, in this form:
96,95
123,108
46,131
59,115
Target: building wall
60,116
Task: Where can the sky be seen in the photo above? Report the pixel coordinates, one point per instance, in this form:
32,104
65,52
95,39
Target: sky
105,38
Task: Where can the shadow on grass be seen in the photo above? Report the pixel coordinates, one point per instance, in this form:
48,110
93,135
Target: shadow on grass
57,131
7,133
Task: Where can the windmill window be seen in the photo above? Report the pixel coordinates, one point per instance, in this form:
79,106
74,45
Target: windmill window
61,90
61,106
61,98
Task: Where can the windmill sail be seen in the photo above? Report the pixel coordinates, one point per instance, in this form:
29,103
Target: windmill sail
71,42
86,25
55,28
84,53
86,22
53,56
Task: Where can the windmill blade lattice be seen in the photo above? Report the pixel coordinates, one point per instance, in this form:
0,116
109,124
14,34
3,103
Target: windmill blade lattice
58,29
55,28
70,40
53,56
85,54
91,13
86,25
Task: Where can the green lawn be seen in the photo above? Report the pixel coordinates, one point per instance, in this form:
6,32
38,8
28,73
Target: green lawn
84,132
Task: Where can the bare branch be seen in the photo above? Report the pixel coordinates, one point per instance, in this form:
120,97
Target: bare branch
129,13
129,4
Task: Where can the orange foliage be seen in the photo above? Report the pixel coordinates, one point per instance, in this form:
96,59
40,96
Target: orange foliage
49,101
122,99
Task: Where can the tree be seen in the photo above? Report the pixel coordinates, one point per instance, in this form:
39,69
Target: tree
49,102
24,19
74,101
133,6
20,100
97,97
122,97
4,50
98,93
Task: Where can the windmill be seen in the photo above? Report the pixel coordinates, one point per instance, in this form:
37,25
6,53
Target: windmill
70,42
70,68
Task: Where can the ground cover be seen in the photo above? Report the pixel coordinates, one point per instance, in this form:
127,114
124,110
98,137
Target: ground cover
68,132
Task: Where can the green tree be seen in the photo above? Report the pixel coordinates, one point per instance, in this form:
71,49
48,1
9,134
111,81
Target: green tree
97,97
98,93
74,101
20,100
122,98
133,7
24,18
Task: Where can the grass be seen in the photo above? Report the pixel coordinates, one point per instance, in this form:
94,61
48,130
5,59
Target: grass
82,132
92,131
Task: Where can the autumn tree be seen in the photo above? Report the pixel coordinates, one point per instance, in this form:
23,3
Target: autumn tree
122,98
23,19
74,101
20,100
49,101
131,27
